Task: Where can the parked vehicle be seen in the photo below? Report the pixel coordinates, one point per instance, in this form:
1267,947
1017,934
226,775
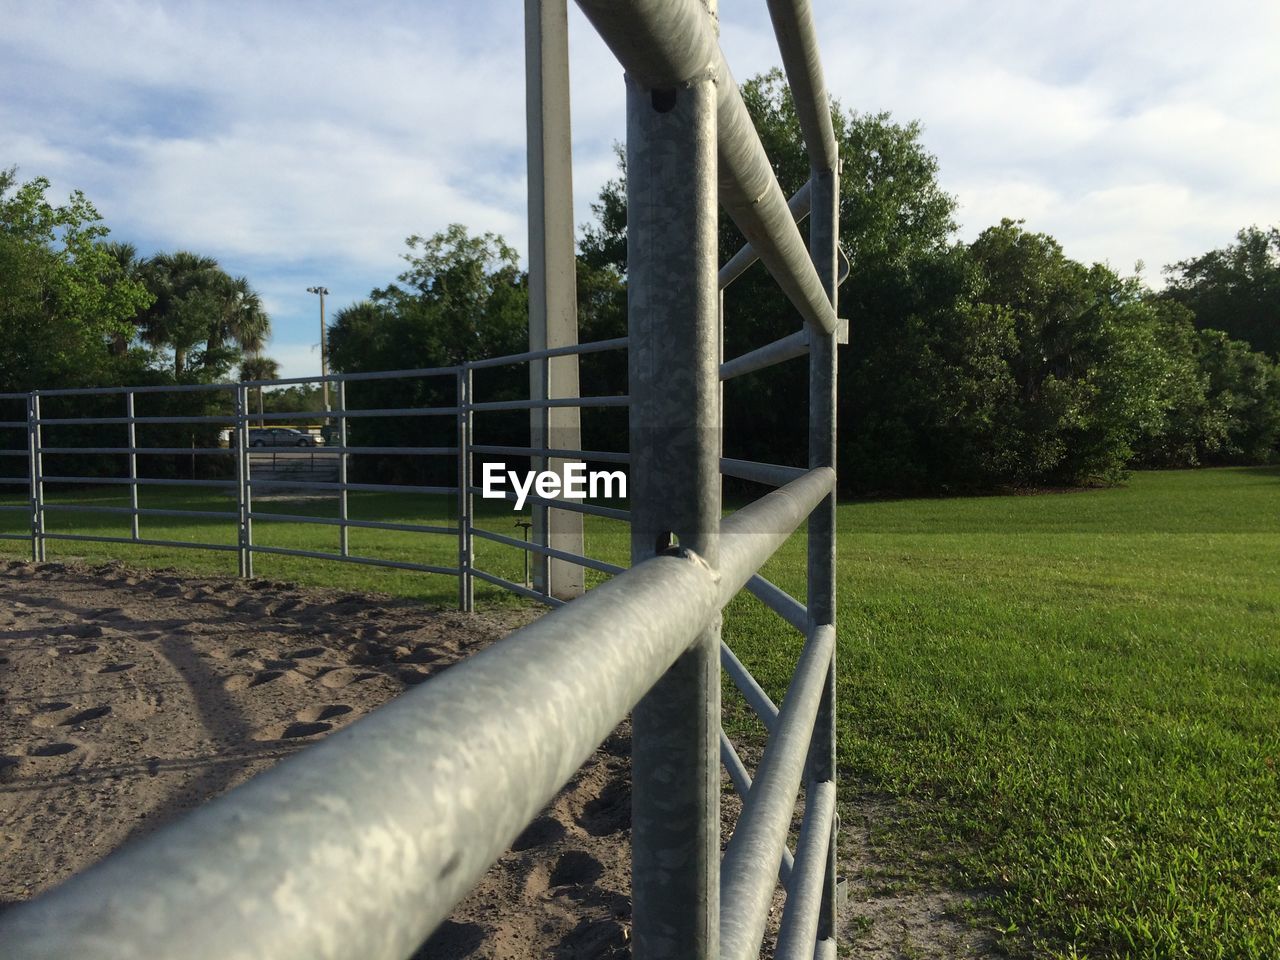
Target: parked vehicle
280,437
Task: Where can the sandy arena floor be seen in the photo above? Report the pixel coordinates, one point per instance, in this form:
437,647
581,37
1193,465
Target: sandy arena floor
130,697
127,698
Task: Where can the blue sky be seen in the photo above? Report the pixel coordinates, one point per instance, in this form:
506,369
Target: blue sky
300,143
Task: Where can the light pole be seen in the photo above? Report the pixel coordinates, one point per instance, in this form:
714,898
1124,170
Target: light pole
324,364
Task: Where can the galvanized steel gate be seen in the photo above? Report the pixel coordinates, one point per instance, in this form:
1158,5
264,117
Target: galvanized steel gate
360,845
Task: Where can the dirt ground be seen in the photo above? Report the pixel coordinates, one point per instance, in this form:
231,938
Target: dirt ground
130,697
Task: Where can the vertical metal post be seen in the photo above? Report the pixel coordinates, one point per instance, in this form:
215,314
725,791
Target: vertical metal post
344,544
824,233
134,531
553,309
466,584
34,445
672,316
243,466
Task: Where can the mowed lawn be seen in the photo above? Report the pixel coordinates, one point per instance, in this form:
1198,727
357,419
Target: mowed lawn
1070,702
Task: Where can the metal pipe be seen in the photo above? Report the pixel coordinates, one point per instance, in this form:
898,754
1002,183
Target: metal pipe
133,464
747,877
141,511
746,256
362,524
759,702
344,540
668,44
799,927
362,487
787,348
37,481
824,228
770,474
552,403
798,44
673,365
466,520
780,602
516,588
576,349
529,546
598,456
244,481
141,481
764,525
742,785
123,451
587,508
366,561
141,541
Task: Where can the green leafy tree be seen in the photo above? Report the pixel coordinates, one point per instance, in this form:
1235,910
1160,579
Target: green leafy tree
1235,289
205,318
66,302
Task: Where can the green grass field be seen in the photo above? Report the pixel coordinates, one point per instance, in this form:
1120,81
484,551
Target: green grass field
1071,700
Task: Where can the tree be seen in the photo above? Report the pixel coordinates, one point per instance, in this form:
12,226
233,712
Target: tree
1235,289
257,367
66,302
462,297
205,317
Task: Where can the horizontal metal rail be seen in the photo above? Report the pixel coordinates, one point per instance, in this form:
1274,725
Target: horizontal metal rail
746,888
491,405
340,522
746,256
578,506
339,558
780,602
770,474
741,780
347,415
759,702
137,511
779,351
141,541
352,451
395,818
575,349
517,589
597,456
538,548
800,915
337,486
181,451
93,421
141,481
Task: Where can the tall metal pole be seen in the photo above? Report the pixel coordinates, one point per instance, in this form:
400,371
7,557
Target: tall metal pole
34,445
244,534
344,537
466,587
134,531
322,292
553,311
672,315
824,233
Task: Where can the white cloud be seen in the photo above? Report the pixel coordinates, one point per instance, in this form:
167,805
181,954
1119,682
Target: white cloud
301,143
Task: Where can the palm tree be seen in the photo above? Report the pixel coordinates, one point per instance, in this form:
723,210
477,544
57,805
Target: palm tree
185,286
242,319
257,367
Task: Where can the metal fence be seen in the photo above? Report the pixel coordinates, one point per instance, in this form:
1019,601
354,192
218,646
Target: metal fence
362,844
